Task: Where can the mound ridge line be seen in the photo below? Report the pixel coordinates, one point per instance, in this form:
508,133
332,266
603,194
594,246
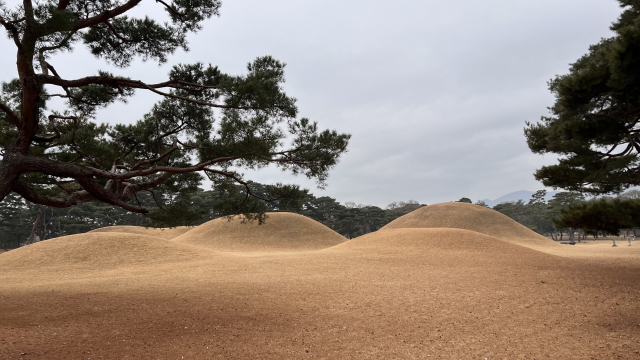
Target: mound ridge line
97,251
281,232
166,233
471,217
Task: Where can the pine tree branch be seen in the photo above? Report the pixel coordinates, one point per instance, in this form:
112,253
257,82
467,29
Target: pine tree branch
99,192
609,154
173,148
239,181
132,189
134,84
115,81
27,6
15,120
44,65
13,32
55,129
30,194
106,15
172,10
115,33
156,201
73,170
62,4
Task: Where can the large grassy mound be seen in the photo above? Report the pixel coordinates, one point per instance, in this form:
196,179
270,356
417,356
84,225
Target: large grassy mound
281,232
96,251
439,245
139,230
470,217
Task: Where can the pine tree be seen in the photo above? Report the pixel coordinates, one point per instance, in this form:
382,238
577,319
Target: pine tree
594,125
62,158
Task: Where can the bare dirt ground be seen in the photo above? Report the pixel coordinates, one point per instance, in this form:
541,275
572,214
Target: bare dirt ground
399,293
599,249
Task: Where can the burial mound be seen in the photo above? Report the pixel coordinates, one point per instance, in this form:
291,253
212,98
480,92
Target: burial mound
470,217
438,245
96,250
280,232
167,234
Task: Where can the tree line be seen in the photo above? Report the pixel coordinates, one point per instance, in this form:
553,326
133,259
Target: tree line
572,214
23,222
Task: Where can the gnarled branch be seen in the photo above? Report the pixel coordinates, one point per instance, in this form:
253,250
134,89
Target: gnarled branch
62,4
15,120
106,15
134,84
30,194
9,26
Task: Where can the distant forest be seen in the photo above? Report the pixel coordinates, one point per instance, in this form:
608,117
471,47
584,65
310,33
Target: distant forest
21,221
544,216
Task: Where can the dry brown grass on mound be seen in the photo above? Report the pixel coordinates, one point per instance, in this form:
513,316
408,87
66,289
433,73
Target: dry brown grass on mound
280,232
471,217
431,243
167,234
396,294
95,250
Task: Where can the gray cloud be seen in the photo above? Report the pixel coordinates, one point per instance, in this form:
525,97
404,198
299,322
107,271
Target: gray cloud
435,93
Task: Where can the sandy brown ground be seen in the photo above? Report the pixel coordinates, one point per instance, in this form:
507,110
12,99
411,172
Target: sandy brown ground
403,293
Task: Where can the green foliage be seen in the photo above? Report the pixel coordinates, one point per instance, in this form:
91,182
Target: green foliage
404,207
517,210
206,122
183,211
15,222
465,200
194,207
17,219
608,216
538,214
594,123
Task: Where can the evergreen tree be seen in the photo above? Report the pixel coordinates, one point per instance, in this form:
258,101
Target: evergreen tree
62,158
606,216
517,210
539,220
595,123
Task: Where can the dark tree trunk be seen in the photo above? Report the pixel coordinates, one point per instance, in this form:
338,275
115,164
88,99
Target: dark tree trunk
10,169
32,238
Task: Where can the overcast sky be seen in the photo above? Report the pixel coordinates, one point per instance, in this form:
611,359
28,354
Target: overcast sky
435,92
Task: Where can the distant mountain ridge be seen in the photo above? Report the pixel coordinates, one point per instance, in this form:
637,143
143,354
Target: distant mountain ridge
523,195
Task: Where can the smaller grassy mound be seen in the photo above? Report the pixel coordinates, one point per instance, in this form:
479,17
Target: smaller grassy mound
470,217
95,250
280,232
167,234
